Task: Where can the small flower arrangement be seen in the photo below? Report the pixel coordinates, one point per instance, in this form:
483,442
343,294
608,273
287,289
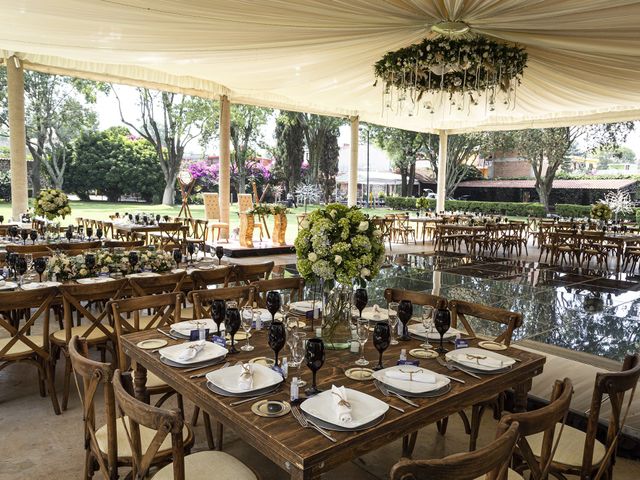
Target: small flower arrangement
52,203
267,209
277,209
601,211
157,261
422,203
339,243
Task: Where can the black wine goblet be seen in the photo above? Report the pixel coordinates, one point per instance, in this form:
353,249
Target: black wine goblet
33,235
89,233
442,322
133,259
1,219
177,256
12,258
21,268
277,338
99,233
232,325
405,312
360,299
40,265
13,231
190,250
69,233
90,262
314,357
24,234
274,302
218,312
219,253
381,340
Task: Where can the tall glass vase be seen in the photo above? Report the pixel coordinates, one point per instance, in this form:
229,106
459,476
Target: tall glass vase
336,312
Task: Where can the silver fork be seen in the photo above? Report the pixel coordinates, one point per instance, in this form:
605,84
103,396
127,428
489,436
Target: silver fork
306,423
453,368
387,393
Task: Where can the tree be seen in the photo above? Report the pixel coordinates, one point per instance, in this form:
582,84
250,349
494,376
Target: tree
404,147
246,135
461,151
318,133
328,167
56,112
169,122
289,150
547,149
619,155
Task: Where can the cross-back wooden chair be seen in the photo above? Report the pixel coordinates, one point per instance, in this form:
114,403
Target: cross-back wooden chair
64,246
98,329
593,247
581,453
246,274
106,446
163,283
294,286
218,276
167,425
402,230
201,299
32,249
198,234
169,235
417,298
111,244
490,462
21,346
505,322
128,318
384,225
547,424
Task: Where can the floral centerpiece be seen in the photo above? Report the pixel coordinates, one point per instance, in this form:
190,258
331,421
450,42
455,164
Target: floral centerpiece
619,202
52,203
338,246
601,211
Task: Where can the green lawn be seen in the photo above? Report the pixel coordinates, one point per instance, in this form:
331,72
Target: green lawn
101,211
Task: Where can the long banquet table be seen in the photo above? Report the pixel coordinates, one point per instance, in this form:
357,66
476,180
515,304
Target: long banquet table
304,453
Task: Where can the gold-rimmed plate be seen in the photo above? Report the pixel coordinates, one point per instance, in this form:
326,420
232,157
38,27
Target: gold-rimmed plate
152,343
266,361
360,374
423,353
494,346
271,408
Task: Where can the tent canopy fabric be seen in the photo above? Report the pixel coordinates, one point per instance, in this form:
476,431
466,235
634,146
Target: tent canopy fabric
375,178
318,55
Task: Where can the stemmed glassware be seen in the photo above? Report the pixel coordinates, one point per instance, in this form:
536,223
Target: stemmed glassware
314,357
24,234
360,299
177,256
12,258
191,251
99,233
273,301
442,322
219,254
69,233
90,262
405,311
427,323
89,233
381,340
1,218
81,232
21,268
158,218
247,324
232,324
133,259
40,265
362,332
13,231
277,338
33,235
218,311
393,320
297,348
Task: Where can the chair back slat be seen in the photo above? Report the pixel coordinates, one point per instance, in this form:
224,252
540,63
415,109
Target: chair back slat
246,274
295,286
111,244
164,283
202,299
491,460
417,298
510,320
204,278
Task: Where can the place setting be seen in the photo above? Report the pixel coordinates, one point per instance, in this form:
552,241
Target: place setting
479,360
193,355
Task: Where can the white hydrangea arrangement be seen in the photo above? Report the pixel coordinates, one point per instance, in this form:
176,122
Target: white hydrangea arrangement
339,243
52,203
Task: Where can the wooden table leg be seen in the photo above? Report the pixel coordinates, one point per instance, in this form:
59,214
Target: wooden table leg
140,383
520,398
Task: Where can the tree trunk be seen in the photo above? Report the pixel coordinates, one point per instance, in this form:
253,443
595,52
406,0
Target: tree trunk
544,192
169,196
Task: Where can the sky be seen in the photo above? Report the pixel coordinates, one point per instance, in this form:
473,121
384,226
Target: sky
108,114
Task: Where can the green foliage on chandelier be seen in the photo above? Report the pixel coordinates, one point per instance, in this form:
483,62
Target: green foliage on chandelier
470,65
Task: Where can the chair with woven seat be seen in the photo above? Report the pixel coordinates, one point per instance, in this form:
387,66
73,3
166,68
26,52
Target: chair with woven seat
384,225
592,247
490,462
169,236
20,345
98,332
198,234
246,274
106,446
581,453
293,285
501,323
169,424
402,230
212,215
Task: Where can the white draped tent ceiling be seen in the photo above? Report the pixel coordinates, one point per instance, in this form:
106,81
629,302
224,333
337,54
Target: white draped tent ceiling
317,56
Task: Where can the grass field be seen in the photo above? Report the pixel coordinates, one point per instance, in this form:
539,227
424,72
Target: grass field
101,210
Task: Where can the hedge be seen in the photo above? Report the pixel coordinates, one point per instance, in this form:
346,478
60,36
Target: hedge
569,210
499,208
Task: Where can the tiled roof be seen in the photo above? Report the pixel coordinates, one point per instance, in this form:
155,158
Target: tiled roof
612,184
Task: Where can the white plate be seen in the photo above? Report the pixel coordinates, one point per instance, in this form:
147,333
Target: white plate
418,330
305,305
37,285
185,328
460,356
91,280
152,343
227,378
364,408
210,351
370,314
8,286
409,386
143,274
265,315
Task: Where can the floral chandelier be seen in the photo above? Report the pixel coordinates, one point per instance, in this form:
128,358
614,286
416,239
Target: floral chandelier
451,66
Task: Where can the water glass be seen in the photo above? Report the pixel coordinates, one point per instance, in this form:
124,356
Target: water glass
247,323
393,321
427,323
362,332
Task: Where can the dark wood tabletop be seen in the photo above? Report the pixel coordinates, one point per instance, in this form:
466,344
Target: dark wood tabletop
303,452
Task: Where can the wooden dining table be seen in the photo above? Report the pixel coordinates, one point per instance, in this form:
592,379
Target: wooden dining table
304,453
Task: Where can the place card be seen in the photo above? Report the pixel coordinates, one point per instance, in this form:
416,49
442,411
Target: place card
415,363
195,335
219,341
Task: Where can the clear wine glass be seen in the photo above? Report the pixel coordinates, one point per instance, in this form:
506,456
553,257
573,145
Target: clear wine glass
362,332
427,323
297,354
393,321
247,324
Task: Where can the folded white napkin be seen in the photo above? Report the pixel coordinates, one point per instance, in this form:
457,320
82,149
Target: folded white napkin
411,375
245,381
472,359
341,403
191,351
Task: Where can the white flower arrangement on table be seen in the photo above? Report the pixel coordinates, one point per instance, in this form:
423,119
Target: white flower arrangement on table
156,261
618,202
65,267
339,243
52,203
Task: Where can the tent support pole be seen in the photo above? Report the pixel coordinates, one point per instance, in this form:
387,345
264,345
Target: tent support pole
15,94
442,172
224,175
353,164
